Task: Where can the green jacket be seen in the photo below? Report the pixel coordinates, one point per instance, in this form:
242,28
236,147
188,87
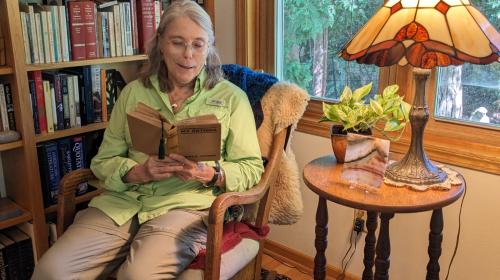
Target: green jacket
240,152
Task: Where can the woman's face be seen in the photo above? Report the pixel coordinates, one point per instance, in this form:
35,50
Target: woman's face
184,50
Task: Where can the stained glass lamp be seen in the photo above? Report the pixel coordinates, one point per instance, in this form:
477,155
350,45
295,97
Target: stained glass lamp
424,34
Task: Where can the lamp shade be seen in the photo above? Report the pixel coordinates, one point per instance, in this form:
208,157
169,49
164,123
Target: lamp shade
425,34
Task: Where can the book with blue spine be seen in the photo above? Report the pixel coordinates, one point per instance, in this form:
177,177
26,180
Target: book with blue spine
50,173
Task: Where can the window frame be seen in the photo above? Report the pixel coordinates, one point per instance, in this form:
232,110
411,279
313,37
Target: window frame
463,145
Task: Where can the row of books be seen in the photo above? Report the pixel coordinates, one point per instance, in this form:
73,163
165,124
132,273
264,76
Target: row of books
7,116
72,97
63,30
57,158
16,254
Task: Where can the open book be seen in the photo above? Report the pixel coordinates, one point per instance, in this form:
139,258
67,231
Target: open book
197,138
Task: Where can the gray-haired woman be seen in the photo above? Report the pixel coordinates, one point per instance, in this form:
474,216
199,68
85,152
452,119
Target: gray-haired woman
149,222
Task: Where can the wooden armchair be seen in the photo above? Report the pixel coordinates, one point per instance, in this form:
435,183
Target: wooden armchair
262,193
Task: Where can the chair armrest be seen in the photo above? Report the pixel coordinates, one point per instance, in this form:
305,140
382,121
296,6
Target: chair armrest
66,197
225,200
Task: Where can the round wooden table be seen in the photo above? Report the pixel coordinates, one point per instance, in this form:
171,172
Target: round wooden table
322,176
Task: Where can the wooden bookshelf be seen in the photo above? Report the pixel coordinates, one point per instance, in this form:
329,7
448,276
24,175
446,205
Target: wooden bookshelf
70,132
6,70
78,63
12,214
79,199
11,145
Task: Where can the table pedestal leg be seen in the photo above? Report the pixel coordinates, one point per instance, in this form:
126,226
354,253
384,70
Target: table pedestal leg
435,239
321,239
371,226
382,261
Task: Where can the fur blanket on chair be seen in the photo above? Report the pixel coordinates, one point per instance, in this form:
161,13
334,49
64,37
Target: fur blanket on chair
283,105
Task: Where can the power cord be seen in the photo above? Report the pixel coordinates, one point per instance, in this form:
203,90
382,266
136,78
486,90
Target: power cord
458,232
358,225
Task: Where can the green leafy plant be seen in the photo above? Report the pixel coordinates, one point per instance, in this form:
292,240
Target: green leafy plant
387,113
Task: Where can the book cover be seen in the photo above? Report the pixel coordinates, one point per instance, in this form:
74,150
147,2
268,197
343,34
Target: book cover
197,138
11,256
34,110
3,109
36,76
25,264
77,30
10,107
49,171
78,160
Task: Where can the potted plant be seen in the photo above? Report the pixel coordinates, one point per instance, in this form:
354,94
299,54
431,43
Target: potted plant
386,113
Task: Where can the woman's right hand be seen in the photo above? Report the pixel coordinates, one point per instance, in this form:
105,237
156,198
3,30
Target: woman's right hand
153,169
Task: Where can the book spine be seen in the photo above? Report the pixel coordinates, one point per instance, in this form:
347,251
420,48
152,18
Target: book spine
3,109
96,92
118,32
32,35
90,29
45,37
39,35
78,160
63,25
65,154
65,100
10,107
57,33
52,38
53,171
135,35
40,100
145,22
34,111
77,30
71,98
87,94
48,106
104,96
24,26
76,93
112,36
59,102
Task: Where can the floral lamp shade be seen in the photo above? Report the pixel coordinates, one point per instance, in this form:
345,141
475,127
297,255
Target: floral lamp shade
425,34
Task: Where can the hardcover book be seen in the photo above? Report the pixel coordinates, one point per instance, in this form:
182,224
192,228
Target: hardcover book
197,138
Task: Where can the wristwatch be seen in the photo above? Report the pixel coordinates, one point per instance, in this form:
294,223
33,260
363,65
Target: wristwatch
216,176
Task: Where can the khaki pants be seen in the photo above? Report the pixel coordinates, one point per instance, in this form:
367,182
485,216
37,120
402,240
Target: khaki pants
94,246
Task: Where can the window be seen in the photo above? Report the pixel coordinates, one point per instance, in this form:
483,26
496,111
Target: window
469,93
311,33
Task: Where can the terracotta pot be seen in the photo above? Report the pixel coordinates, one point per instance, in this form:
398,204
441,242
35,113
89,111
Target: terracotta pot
339,141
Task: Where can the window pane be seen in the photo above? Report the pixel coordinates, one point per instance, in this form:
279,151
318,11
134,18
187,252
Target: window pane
313,33
471,93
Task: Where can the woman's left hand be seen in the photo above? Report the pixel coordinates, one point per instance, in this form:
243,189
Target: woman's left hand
193,170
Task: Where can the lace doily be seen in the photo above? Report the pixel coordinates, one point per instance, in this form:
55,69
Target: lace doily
452,179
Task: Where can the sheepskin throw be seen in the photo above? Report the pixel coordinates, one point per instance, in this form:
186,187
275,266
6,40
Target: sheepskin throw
283,105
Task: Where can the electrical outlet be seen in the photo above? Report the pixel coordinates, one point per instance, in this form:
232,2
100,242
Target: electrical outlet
359,221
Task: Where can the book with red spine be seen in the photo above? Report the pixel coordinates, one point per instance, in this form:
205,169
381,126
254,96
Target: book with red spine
145,22
90,29
40,99
77,30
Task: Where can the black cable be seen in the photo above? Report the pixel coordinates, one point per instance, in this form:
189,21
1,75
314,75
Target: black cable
458,233
342,265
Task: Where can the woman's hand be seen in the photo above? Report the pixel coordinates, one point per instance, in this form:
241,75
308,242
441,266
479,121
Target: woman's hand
153,169
192,170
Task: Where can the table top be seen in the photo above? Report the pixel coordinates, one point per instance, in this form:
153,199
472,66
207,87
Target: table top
322,176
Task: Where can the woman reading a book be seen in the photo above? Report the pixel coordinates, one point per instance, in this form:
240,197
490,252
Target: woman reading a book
149,222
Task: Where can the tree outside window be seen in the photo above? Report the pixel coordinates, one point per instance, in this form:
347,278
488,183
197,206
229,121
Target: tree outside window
314,31
471,93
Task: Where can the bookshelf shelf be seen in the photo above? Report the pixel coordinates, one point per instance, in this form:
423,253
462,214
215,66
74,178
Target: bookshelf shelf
13,214
79,199
78,63
69,132
11,145
6,70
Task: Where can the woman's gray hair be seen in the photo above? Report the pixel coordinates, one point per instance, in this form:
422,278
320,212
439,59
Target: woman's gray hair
157,66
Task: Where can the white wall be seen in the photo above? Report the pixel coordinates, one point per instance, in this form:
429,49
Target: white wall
225,30
479,250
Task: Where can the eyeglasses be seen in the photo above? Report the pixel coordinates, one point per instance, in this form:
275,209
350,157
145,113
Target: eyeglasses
179,46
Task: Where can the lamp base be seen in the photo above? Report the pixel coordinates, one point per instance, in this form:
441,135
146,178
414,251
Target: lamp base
415,168
416,171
